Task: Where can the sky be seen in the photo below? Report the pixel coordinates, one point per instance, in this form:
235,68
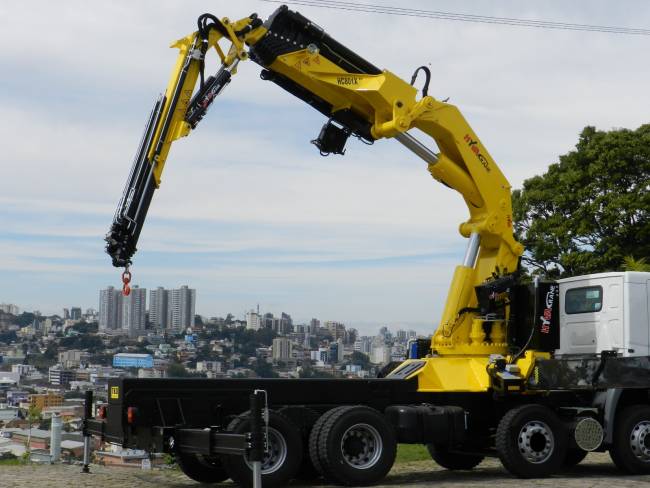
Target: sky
248,212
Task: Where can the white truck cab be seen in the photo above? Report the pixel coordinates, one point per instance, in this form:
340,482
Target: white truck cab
605,312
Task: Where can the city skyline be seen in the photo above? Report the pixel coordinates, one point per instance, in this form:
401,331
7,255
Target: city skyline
365,327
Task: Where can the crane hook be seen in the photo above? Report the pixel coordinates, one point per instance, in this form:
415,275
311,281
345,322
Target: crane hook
126,279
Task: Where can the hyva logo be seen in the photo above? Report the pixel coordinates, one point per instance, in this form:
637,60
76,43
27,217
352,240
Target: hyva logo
473,145
548,311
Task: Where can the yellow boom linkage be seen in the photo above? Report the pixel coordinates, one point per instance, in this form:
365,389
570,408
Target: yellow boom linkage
371,104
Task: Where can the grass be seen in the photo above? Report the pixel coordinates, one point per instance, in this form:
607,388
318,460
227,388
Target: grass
11,462
407,453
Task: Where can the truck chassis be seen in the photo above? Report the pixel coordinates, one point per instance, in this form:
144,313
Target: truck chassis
347,430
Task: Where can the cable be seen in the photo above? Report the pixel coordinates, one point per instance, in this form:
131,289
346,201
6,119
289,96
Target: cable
441,15
340,5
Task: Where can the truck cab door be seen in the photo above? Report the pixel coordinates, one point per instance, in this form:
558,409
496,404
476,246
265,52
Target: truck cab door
591,316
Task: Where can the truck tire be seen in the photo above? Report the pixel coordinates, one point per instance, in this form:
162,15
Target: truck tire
531,441
574,456
452,460
304,418
204,469
356,446
630,450
314,437
280,464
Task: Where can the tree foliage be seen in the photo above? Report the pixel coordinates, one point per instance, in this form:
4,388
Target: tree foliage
631,264
86,342
84,327
264,370
24,319
361,359
177,370
590,210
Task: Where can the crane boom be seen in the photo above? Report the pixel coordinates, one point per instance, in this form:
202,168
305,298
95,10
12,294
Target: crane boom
358,99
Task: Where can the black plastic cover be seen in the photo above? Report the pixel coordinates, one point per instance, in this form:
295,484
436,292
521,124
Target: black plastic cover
442,426
535,317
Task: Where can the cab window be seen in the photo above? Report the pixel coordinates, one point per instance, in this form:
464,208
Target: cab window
588,299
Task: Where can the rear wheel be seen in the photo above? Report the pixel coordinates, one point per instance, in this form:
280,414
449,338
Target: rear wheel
204,469
452,460
531,441
356,446
631,448
314,439
280,462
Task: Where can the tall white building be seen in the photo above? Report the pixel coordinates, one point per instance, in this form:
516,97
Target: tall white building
337,329
253,320
9,308
134,309
181,308
314,325
363,344
158,304
380,354
110,310
281,348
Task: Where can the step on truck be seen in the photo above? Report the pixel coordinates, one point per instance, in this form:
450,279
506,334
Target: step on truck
537,374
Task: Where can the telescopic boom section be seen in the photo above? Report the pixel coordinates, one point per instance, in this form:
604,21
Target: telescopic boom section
358,99
174,115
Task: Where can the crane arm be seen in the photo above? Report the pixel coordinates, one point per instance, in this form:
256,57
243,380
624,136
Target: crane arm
358,99
174,115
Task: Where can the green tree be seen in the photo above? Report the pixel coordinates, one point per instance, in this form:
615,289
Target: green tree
307,371
177,370
24,319
631,264
361,359
84,327
590,210
33,416
265,370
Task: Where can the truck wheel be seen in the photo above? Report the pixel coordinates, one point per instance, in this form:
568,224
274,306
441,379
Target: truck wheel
304,418
356,446
204,469
574,457
314,438
452,460
279,464
531,441
631,448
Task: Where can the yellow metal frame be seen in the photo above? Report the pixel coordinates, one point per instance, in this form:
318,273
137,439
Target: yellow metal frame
460,348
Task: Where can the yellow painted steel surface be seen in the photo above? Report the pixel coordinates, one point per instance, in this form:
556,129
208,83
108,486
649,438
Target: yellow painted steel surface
390,104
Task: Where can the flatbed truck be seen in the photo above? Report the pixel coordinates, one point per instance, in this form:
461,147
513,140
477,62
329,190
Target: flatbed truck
537,374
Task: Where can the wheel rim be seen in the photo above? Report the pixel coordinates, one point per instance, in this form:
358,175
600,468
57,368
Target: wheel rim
639,441
276,454
536,442
361,446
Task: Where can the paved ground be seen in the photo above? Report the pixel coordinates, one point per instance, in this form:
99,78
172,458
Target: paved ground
595,472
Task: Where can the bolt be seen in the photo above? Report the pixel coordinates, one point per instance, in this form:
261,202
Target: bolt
312,49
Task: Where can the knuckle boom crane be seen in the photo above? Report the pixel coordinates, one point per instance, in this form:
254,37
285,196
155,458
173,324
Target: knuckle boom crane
504,374
358,99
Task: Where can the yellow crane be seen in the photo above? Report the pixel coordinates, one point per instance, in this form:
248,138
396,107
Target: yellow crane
493,379
370,103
